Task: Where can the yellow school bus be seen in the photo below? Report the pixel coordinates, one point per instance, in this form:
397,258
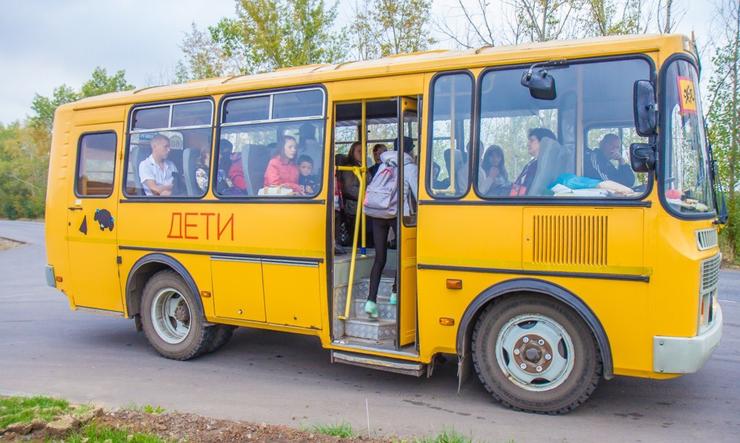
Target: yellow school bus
564,229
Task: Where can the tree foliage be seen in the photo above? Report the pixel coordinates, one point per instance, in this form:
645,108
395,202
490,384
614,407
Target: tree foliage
24,146
491,22
386,27
264,35
723,114
99,83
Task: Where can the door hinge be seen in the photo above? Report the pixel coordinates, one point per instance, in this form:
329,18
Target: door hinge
119,260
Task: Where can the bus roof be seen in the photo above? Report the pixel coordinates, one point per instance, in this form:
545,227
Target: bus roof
428,61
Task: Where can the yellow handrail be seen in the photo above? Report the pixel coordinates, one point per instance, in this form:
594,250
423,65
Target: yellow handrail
359,172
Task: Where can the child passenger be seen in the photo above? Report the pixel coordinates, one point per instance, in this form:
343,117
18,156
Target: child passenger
307,181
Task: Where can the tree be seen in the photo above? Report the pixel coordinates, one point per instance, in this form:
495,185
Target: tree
609,17
723,114
99,83
489,22
386,27
24,148
265,35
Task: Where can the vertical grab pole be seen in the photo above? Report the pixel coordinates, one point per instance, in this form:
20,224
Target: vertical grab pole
359,216
453,185
353,260
363,178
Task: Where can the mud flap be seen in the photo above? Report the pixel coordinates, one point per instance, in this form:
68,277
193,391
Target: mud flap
463,368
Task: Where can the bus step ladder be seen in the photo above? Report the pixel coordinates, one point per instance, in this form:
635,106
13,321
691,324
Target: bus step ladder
380,363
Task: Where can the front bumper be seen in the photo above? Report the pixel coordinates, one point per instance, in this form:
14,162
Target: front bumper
686,355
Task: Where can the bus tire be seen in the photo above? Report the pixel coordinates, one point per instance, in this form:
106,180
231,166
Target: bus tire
221,335
535,354
172,319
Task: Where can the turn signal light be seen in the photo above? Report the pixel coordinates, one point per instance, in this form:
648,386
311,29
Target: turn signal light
454,283
59,278
205,294
446,321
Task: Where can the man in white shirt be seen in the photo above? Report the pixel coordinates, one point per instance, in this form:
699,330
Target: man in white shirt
155,171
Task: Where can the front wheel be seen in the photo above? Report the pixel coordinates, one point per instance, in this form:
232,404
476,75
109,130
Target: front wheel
534,354
172,319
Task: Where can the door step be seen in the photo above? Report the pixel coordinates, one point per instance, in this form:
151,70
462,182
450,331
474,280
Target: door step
380,363
377,330
386,311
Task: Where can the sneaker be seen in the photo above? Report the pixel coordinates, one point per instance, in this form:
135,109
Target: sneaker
394,298
371,309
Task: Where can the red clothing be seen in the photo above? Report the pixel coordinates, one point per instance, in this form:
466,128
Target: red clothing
282,172
236,175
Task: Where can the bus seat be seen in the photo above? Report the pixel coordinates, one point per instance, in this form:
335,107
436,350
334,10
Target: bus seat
461,169
139,154
255,163
553,160
189,163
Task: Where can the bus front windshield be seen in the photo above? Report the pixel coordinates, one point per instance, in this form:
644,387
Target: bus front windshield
687,185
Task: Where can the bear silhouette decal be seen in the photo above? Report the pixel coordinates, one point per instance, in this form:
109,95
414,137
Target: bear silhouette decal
104,219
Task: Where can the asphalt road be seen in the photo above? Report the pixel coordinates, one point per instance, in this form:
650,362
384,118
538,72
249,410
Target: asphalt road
278,378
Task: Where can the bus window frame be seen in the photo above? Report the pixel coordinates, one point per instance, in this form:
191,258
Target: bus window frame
77,164
127,148
262,92
430,134
661,142
640,200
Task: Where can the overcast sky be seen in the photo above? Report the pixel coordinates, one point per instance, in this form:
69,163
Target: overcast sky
45,43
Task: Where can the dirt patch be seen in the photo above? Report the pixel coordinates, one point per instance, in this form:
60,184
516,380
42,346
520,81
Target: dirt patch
189,427
6,243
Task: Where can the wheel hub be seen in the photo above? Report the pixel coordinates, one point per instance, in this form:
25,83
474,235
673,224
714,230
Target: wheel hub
182,314
533,354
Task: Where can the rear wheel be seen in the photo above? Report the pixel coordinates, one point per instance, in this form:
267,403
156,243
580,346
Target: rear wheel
222,334
535,354
172,319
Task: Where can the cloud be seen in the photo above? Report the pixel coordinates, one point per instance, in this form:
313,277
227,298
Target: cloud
44,44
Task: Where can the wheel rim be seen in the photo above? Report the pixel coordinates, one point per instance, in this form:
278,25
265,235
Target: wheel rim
535,352
171,316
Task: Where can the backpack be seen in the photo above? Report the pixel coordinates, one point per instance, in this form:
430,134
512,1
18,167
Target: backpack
381,198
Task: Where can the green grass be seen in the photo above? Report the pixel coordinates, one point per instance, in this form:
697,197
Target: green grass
446,436
147,409
342,430
94,434
26,409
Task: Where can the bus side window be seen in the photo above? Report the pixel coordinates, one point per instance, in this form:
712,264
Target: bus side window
96,160
451,130
169,150
277,144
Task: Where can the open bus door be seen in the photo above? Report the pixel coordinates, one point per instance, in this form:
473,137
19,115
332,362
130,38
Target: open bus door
408,129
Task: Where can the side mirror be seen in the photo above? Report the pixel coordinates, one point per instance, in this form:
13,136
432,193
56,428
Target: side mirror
541,84
722,214
645,108
642,157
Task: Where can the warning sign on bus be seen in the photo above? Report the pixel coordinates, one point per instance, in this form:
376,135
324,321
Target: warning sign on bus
686,95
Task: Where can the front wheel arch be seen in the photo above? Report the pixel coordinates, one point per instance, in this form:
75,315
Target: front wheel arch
530,285
144,268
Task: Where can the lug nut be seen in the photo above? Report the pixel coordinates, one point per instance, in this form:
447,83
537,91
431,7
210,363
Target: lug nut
523,366
525,339
517,352
548,357
541,342
539,368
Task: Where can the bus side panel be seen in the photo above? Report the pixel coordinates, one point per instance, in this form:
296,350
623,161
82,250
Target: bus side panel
492,238
281,237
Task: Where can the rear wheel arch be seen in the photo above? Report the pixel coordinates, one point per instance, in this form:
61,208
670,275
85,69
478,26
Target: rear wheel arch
532,286
144,269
